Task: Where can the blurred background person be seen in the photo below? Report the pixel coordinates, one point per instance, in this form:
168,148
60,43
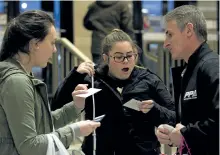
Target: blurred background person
104,16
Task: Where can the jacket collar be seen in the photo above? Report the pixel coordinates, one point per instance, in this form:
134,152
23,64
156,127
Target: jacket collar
18,65
202,50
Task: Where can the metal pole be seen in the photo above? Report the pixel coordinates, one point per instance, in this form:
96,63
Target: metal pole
94,132
12,9
218,32
138,29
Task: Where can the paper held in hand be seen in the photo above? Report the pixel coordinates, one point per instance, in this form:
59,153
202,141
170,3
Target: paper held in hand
133,104
91,91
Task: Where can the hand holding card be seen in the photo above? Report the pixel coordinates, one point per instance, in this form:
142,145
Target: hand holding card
146,106
78,101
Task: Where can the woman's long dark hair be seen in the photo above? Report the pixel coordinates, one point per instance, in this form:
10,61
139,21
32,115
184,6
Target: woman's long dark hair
29,25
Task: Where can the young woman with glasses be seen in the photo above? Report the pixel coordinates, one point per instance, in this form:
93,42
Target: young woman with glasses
124,131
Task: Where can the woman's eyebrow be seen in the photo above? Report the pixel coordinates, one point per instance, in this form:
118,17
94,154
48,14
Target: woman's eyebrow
123,53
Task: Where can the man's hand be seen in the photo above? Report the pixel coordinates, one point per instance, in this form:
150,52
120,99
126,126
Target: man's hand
175,135
146,106
79,101
179,126
86,67
163,135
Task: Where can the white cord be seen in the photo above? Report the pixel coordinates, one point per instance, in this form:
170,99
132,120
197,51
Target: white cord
94,133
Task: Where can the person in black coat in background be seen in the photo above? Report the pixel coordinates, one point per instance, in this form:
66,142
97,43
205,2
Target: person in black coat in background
104,16
197,89
123,131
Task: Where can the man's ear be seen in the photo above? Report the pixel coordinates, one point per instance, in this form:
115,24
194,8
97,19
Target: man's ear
189,29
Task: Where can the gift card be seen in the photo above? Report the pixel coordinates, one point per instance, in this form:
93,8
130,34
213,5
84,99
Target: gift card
99,118
133,104
90,92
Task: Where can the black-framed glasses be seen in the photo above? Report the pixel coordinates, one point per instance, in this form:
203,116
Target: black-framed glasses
121,58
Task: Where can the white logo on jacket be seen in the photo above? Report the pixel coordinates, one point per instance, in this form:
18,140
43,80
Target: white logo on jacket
190,95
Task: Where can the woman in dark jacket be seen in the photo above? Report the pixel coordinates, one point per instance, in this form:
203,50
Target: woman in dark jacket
124,131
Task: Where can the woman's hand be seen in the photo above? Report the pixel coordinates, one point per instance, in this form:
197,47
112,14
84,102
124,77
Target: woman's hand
86,67
79,101
146,106
87,127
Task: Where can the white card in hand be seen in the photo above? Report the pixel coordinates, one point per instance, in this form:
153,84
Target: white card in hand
91,91
133,104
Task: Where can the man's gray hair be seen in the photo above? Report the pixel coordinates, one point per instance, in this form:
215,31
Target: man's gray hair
189,14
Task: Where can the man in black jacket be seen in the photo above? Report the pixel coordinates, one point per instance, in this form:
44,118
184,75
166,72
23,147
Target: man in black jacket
196,86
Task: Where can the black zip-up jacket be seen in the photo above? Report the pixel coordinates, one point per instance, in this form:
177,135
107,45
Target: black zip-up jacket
123,131
199,101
